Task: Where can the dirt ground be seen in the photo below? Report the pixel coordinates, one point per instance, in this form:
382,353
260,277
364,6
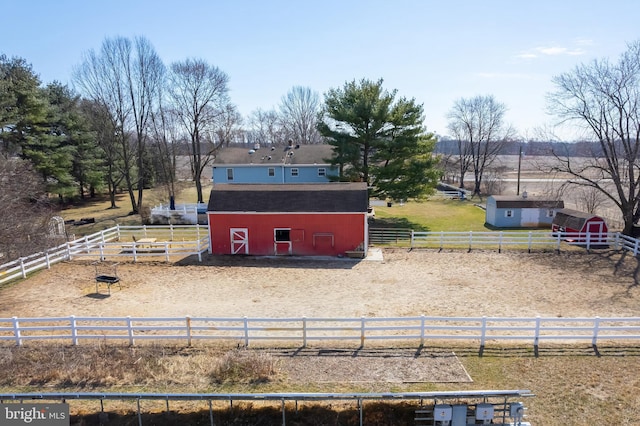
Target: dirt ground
403,283
399,283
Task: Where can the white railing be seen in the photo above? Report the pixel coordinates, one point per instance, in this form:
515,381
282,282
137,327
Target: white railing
188,213
304,330
520,239
119,242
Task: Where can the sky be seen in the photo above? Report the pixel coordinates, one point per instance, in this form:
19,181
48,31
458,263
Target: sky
436,52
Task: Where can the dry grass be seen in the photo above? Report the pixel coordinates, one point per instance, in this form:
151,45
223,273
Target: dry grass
574,385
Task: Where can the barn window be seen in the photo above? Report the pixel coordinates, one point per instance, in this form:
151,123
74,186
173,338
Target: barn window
294,172
282,234
272,171
322,171
229,174
508,213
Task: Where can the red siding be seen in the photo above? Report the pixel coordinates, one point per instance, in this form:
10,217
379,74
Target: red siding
318,234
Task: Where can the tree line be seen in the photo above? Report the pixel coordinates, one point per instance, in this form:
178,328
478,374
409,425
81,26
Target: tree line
129,116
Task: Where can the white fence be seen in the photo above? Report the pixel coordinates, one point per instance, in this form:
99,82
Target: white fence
117,242
181,213
499,240
304,330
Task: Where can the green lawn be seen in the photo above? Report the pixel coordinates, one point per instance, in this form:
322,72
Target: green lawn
432,215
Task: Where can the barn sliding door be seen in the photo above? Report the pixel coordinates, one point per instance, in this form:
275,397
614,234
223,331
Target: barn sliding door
239,240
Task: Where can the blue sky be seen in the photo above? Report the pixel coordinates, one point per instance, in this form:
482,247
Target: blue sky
433,51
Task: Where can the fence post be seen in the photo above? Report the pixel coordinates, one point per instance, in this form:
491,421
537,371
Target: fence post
441,239
500,242
616,241
635,247
16,331
171,231
130,331
304,332
74,331
144,230
87,249
24,272
362,331
588,241
188,320
135,251
68,251
530,243
166,251
246,331
483,335
558,237
422,330
47,260
596,329
412,236
536,337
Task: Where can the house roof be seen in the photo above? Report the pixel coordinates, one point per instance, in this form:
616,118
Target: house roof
342,197
514,201
297,154
573,219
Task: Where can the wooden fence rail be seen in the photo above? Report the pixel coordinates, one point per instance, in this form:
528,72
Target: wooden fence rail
303,330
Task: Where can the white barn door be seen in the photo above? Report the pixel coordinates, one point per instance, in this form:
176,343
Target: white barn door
239,240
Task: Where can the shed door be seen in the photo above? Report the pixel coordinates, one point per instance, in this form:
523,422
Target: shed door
595,229
239,240
530,217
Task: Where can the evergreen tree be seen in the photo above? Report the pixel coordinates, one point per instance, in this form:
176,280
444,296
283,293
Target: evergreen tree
378,141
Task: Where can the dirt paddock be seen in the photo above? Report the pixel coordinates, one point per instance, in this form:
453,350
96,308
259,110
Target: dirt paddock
403,283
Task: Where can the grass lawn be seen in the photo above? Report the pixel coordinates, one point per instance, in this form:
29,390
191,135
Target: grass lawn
432,215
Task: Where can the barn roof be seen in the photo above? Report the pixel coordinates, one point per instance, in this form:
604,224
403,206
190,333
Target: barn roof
318,197
573,219
303,154
513,201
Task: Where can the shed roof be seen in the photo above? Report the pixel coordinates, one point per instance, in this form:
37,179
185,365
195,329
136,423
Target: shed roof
573,219
319,197
514,201
303,154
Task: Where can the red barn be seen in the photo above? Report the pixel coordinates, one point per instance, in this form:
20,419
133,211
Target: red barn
577,224
288,219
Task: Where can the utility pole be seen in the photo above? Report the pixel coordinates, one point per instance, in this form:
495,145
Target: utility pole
519,166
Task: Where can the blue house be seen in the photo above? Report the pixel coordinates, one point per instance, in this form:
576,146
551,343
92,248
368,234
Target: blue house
289,164
510,211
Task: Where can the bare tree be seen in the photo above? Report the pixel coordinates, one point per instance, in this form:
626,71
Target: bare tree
124,77
26,210
299,114
266,128
604,99
478,126
165,139
228,125
199,93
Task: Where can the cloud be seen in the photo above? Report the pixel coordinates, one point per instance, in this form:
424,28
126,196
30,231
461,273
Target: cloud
541,51
555,51
502,75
